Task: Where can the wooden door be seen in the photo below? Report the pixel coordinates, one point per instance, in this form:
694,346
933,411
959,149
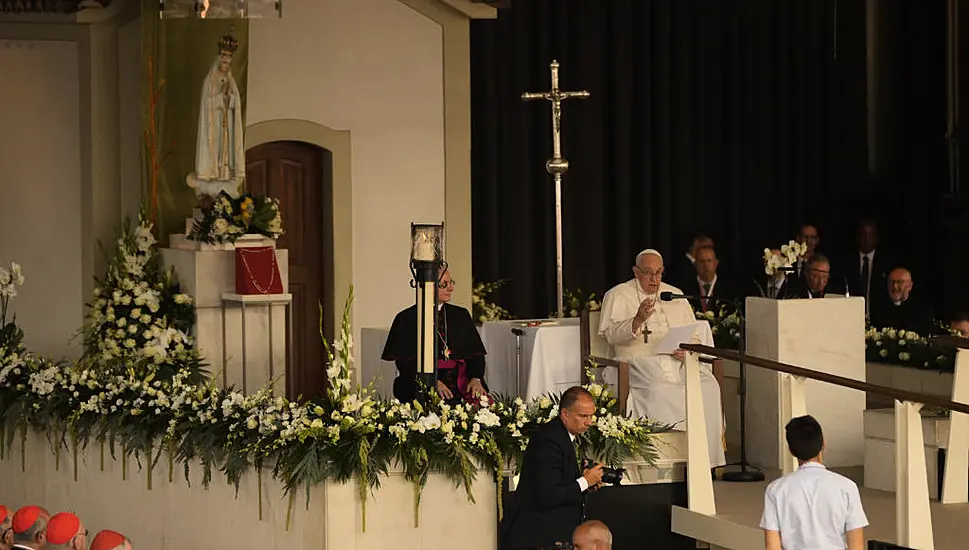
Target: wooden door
298,175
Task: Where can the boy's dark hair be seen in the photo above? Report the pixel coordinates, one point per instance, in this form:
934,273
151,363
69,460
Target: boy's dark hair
804,437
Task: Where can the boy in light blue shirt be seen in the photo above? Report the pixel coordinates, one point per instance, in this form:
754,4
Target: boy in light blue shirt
812,508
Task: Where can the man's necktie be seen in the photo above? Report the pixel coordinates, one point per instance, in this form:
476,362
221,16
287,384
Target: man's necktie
706,292
865,274
578,459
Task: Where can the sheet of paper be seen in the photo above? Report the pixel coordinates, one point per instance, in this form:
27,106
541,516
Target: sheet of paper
676,336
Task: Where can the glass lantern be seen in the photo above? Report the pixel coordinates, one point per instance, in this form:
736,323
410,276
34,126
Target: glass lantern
427,243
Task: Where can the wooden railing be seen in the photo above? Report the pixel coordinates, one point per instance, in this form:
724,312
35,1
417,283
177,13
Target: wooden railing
913,516
901,395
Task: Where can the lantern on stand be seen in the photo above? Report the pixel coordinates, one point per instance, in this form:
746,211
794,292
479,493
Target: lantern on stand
426,263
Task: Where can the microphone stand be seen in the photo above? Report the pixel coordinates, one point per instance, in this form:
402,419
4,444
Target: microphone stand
518,361
746,473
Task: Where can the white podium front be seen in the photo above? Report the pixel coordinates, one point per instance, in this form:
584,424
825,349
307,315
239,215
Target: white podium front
827,335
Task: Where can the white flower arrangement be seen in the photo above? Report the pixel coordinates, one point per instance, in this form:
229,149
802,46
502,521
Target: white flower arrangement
905,347
227,219
138,316
724,323
11,337
483,309
10,280
348,435
574,302
790,254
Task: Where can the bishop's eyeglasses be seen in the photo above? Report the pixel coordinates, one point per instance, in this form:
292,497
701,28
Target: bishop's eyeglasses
445,284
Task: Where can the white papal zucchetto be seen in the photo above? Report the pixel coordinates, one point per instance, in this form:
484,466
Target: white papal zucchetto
647,252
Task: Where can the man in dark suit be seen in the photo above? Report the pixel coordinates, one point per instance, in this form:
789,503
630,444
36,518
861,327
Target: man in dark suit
708,282
900,310
683,272
866,271
549,501
809,237
814,282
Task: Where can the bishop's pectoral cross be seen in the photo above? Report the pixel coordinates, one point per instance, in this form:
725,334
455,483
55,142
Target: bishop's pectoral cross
556,166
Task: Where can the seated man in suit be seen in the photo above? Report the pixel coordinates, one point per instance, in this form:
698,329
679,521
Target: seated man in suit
960,323
808,236
901,311
684,272
461,366
551,491
708,282
815,279
634,320
866,270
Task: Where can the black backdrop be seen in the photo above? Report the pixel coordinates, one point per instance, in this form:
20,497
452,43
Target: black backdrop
740,118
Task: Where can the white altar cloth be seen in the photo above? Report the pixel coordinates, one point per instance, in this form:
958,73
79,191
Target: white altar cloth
550,357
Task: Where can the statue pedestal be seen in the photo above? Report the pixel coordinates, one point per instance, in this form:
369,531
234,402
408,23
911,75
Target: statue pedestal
182,242
213,188
208,275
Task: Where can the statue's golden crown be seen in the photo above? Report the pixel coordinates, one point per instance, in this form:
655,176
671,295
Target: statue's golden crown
228,44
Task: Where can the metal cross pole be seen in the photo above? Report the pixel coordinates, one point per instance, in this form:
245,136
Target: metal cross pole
556,166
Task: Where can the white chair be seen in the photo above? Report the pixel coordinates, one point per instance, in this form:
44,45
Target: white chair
598,354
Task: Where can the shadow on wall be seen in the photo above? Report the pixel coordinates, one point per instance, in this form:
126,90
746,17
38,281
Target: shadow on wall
372,367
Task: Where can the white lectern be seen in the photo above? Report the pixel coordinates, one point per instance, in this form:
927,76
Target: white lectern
826,335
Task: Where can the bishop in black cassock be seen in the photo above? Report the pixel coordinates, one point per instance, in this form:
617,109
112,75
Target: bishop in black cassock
457,340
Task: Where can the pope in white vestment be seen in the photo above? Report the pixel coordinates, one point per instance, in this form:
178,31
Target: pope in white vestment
657,383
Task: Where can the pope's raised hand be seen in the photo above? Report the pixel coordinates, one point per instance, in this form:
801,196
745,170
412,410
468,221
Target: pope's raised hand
642,314
646,309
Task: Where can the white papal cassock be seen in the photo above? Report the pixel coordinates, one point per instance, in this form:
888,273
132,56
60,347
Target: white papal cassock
657,383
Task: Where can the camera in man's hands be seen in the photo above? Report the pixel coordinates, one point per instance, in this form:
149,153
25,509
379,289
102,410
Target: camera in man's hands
610,476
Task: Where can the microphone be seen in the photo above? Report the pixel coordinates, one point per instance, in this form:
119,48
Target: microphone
517,331
669,297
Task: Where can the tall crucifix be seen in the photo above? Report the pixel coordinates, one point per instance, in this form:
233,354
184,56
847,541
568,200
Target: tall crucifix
556,166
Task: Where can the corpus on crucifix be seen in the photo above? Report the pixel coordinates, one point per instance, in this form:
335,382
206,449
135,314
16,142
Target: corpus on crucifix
556,166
